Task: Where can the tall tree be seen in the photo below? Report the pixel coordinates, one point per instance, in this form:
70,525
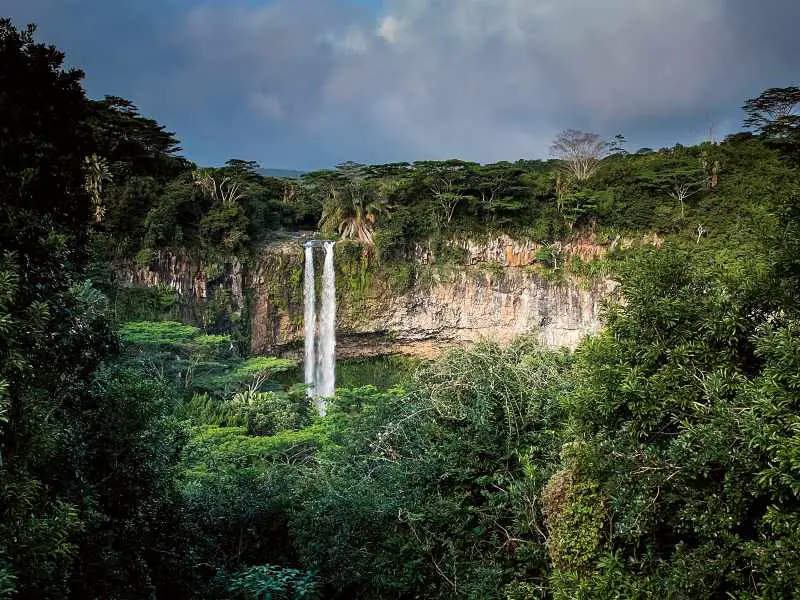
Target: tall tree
682,483
771,107
82,463
581,152
97,174
776,115
134,144
43,224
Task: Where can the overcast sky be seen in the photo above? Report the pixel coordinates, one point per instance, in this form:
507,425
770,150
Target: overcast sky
311,83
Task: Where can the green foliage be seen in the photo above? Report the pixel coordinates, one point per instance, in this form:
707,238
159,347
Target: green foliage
774,115
218,447
441,484
771,426
259,364
239,491
143,304
356,271
134,446
602,268
662,461
269,582
224,227
48,343
144,257
355,201
204,409
198,362
574,515
667,412
159,334
175,219
382,372
268,413
252,373
551,255
520,590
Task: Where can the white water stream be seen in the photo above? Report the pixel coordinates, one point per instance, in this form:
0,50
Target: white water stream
326,384
320,346
310,320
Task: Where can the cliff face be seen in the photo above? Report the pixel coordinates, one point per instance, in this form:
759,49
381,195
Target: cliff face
474,304
495,295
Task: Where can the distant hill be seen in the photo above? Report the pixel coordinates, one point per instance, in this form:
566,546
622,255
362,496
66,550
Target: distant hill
281,173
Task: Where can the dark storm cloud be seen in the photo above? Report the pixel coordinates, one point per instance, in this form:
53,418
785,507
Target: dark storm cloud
313,82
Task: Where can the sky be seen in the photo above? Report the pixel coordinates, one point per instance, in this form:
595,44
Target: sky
306,84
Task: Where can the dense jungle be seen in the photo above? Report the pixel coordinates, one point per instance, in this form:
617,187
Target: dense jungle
147,452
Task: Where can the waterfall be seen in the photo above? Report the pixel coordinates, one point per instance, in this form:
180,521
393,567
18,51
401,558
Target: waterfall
310,319
320,346
327,329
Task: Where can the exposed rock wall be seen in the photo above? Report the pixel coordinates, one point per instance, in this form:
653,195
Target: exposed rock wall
475,304
495,295
196,283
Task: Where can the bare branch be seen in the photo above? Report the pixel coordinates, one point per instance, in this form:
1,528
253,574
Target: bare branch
581,152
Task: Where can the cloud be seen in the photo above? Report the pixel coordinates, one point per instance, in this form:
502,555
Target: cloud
389,28
484,79
353,42
314,82
268,104
495,79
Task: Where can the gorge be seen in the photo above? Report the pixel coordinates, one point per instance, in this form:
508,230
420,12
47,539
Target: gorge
157,435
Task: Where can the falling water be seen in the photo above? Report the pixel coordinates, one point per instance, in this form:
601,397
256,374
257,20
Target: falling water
320,346
310,319
327,331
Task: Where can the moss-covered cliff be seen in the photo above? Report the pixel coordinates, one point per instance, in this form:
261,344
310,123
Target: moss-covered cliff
496,289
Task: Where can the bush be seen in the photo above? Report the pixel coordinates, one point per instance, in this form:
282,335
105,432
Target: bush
268,413
667,408
269,582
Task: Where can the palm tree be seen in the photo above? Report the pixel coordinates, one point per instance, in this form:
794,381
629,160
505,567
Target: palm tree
96,173
226,191
353,207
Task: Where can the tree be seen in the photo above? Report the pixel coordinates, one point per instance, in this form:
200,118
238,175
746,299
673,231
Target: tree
550,253
246,169
353,210
680,178
445,180
43,224
771,107
774,114
580,152
97,174
683,440
82,488
491,182
220,189
442,484
133,144
354,203
141,157
712,165
617,145
681,189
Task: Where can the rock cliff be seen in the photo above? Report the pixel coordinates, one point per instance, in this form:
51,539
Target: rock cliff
418,308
